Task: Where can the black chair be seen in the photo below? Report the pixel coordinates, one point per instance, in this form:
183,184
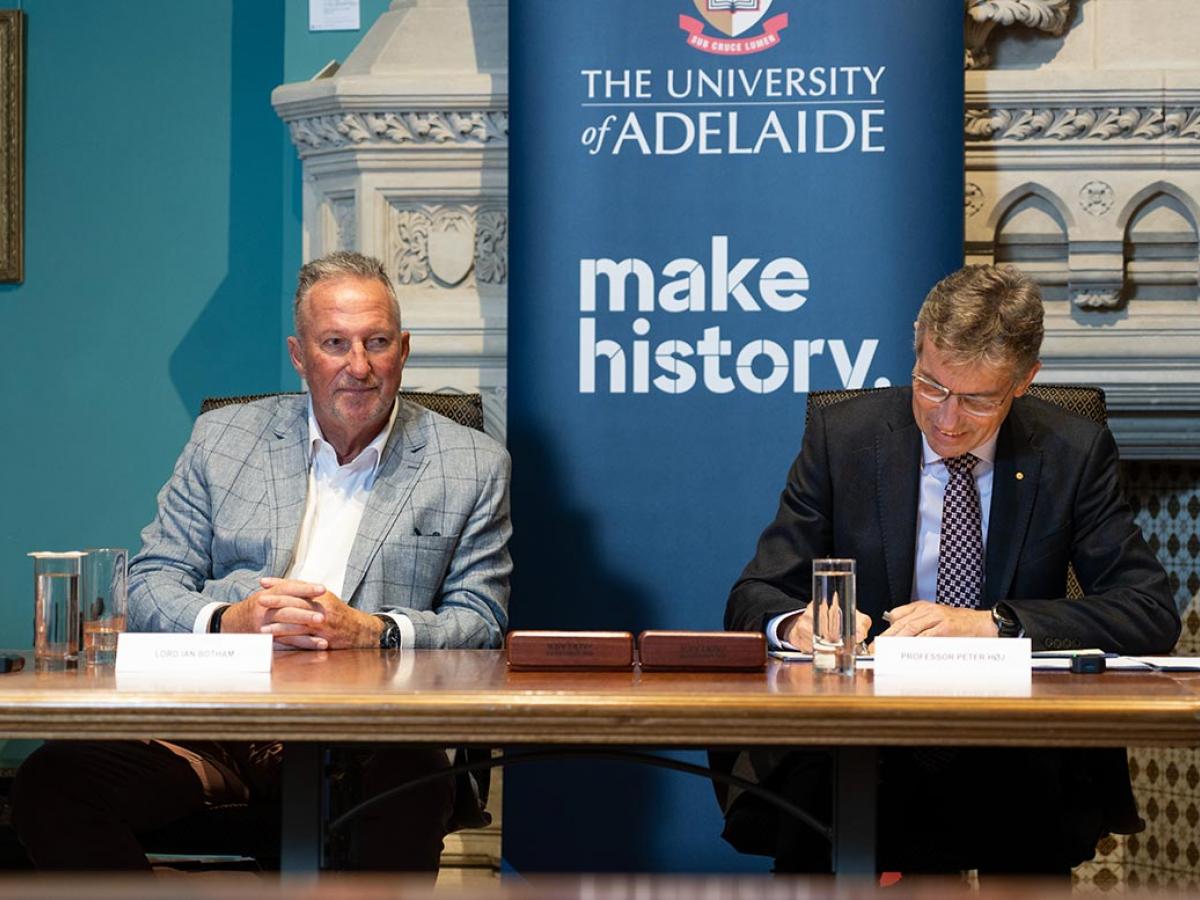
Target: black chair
1083,400
244,835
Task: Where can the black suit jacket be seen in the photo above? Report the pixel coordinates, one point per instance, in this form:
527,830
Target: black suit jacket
853,492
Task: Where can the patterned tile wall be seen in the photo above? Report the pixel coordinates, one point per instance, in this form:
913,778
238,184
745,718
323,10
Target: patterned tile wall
1166,501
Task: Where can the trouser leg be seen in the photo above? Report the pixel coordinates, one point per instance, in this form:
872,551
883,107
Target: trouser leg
81,805
405,832
806,780
1002,811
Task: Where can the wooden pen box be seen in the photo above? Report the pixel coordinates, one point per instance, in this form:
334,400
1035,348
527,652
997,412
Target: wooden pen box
570,649
701,650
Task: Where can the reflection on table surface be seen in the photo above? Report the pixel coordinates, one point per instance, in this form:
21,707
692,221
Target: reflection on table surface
472,696
348,672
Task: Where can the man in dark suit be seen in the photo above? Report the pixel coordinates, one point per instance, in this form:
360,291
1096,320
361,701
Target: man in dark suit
963,501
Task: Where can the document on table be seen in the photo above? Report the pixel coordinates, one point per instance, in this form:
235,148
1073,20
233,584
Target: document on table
1050,661
1111,663
862,661
1170,663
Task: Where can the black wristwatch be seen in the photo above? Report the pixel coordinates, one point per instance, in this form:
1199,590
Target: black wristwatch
214,621
1007,623
389,638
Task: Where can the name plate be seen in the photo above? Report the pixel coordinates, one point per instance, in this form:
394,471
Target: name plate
702,650
953,661
170,654
570,649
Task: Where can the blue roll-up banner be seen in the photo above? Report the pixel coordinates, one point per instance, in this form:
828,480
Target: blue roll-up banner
716,206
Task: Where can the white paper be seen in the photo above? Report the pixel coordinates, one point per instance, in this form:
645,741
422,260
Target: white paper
1170,663
1125,662
1111,664
333,15
177,654
1045,661
1052,664
802,656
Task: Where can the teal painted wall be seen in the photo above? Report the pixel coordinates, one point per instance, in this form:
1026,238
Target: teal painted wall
162,239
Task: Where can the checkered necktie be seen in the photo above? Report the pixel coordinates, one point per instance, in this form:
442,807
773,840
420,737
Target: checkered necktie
960,555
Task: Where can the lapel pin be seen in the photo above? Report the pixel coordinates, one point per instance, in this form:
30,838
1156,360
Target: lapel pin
1020,476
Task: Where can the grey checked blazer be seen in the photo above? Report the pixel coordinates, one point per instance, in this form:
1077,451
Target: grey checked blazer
433,542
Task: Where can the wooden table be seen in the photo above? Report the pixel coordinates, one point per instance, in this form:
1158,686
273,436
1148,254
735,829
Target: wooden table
470,697
355,886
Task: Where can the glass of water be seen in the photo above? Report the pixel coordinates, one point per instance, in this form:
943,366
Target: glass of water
103,601
56,609
834,608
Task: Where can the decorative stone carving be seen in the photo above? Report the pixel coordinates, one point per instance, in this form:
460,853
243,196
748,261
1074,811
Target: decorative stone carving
451,246
477,127
1088,298
973,199
1183,123
984,15
446,243
1100,124
411,257
491,247
1096,197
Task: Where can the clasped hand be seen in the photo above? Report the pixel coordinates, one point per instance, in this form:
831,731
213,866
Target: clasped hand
300,615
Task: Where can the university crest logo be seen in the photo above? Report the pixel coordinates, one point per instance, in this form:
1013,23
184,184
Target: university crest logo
732,18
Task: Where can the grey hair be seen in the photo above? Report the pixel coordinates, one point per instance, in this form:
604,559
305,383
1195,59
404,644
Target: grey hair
339,264
984,314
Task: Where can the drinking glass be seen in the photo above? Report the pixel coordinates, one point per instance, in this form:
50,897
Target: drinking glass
55,609
104,598
833,601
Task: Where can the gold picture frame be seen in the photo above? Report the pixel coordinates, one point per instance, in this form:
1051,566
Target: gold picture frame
12,145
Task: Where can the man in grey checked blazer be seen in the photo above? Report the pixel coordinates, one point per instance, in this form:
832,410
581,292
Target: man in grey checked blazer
432,543
349,518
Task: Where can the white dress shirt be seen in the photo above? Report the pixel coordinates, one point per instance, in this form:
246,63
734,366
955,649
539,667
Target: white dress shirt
335,501
934,477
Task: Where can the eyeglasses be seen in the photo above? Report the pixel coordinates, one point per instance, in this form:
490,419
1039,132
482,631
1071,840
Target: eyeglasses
971,404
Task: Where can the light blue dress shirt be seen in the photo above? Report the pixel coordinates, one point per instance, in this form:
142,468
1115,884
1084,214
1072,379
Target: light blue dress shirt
934,477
